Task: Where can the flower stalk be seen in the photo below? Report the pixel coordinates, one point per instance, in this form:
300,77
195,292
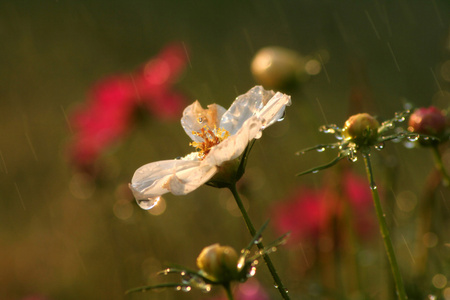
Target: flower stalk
401,293
440,165
251,229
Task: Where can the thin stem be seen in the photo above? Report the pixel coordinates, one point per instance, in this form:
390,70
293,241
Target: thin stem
251,229
440,165
228,291
401,293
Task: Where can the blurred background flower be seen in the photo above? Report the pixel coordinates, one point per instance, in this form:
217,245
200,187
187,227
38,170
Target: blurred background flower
112,103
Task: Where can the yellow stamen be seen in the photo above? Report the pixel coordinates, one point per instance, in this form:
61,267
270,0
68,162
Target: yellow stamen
210,138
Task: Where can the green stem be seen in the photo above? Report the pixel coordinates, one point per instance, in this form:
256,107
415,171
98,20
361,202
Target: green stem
228,290
440,165
401,293
251,229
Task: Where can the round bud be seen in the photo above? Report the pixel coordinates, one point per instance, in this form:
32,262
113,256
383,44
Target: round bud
361,129
218,263
429,121
277,67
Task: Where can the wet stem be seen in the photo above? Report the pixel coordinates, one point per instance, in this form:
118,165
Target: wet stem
251,229
229,292
401,293
440,166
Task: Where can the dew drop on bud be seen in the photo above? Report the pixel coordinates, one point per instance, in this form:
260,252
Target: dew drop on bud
148,203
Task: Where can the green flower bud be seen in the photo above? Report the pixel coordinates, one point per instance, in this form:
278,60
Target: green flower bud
218,263
277,67
361,129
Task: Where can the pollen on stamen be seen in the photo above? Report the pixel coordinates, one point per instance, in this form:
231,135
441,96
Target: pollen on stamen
210,138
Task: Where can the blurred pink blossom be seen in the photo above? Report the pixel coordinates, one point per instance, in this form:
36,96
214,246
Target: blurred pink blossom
308,212
108,113
250,290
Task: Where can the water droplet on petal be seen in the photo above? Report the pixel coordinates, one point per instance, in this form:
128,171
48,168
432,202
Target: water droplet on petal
200,120
148,203
282,117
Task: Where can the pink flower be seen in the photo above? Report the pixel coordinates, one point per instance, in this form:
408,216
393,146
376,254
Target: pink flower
308,212
108,113
250,290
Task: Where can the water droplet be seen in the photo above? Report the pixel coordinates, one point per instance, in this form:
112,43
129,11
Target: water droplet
178,288
320,149
251,272
258,240
186,288
275,285
200,120
282,117
413,138
373,187
315,171
148,203
206,288
379,146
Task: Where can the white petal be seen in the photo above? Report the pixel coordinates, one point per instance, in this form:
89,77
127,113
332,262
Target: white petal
152,180
186,181
244,107
195,117
235,145
273,111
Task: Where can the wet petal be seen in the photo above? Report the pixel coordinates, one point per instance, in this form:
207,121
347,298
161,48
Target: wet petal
186,181
195,118
273,111
244,107
235,145
153,179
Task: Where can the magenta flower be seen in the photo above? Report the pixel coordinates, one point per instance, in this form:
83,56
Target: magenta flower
108,113
308,212
250,290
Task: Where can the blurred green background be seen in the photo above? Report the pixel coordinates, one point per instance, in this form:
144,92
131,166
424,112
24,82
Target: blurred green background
63,236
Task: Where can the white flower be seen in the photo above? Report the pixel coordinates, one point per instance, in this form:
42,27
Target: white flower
219,135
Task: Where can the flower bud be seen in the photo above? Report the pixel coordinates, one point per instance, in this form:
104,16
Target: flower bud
277,67
361,129
218,263
429,121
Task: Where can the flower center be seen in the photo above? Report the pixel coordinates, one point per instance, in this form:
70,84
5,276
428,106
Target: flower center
211,138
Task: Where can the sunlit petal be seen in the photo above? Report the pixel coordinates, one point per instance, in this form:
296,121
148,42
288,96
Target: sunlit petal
152,180
244,107
195,118
235,145
273,111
